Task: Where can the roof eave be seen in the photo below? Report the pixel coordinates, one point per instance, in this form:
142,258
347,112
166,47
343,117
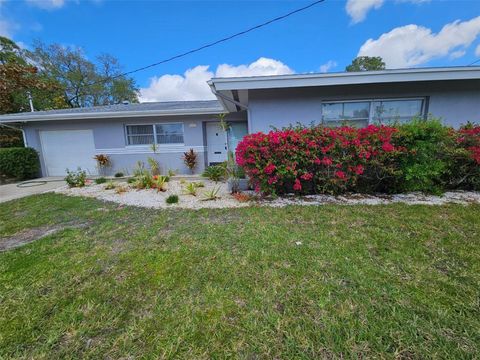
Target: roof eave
356,78
30,117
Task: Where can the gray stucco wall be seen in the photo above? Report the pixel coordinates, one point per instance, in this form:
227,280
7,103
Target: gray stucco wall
109,139
454,102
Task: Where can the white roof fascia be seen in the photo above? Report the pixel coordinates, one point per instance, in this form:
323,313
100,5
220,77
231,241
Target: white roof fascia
105,115
365,77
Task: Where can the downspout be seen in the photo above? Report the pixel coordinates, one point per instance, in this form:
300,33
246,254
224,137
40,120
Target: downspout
18,128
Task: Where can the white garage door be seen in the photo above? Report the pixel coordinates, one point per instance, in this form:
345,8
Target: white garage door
68,149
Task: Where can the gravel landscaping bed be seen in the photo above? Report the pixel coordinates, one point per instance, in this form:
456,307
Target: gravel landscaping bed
150,198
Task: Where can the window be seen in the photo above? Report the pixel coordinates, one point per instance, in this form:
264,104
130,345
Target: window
348,113
155,133
139,134
169,133
391,111
362,113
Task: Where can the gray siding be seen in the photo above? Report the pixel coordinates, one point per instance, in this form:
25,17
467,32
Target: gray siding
109,139
454,102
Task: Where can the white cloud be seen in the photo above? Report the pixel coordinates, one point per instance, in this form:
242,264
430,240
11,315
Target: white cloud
47,4
192,85
457,54
358,9
413,45
330,64
477,51
263,66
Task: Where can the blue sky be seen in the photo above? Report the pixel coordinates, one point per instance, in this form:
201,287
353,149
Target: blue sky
407,33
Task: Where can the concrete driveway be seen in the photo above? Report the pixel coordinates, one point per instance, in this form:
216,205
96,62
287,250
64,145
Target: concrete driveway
12,191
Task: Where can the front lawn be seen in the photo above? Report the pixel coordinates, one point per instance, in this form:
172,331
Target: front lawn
114,282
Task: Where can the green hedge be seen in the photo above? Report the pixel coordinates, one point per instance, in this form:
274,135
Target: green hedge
19,163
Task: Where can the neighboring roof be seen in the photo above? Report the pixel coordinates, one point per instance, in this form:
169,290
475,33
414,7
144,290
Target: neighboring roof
237,87
346,78
121,110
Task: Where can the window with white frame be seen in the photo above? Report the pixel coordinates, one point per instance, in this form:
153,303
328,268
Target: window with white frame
160,134
362,113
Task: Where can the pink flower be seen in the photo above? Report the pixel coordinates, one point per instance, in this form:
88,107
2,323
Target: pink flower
272,180
327,161
358,169
340,174
270,168
307,176
297,186
387,147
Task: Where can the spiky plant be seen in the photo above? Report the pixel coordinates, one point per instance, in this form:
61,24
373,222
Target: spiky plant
190,189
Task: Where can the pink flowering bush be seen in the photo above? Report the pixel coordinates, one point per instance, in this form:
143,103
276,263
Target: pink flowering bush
465,169
318,159
336,160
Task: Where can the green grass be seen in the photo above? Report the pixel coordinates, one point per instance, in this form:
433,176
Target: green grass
391,281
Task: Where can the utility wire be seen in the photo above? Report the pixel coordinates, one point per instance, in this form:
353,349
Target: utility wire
473,63
211,44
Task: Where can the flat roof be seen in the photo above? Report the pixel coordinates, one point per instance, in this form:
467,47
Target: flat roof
120,110
345,78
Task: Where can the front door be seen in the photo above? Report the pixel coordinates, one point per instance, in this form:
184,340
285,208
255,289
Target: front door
216,143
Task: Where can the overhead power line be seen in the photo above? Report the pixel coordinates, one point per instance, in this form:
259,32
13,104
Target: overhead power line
473,63
211,44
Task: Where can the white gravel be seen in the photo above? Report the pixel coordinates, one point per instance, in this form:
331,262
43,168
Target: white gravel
150,198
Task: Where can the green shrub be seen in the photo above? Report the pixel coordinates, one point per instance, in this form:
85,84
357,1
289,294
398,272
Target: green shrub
110,185
100,180
172,199
119,174
76,178
215,172
19,163
426,162
131,180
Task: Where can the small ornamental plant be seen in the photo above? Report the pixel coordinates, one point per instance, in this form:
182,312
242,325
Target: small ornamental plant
190,159
76,178
172,199
159,182
100,180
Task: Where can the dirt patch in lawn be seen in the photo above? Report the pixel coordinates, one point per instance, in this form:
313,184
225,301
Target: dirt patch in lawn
27,236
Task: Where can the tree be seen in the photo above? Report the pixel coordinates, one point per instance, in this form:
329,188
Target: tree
366,63
85,83
18,78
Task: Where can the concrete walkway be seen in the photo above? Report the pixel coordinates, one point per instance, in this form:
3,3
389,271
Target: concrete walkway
12,191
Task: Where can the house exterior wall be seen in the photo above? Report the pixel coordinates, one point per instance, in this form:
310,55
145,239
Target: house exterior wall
109,138
454,102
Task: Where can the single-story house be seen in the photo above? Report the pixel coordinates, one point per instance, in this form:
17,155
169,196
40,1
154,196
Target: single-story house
125,132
